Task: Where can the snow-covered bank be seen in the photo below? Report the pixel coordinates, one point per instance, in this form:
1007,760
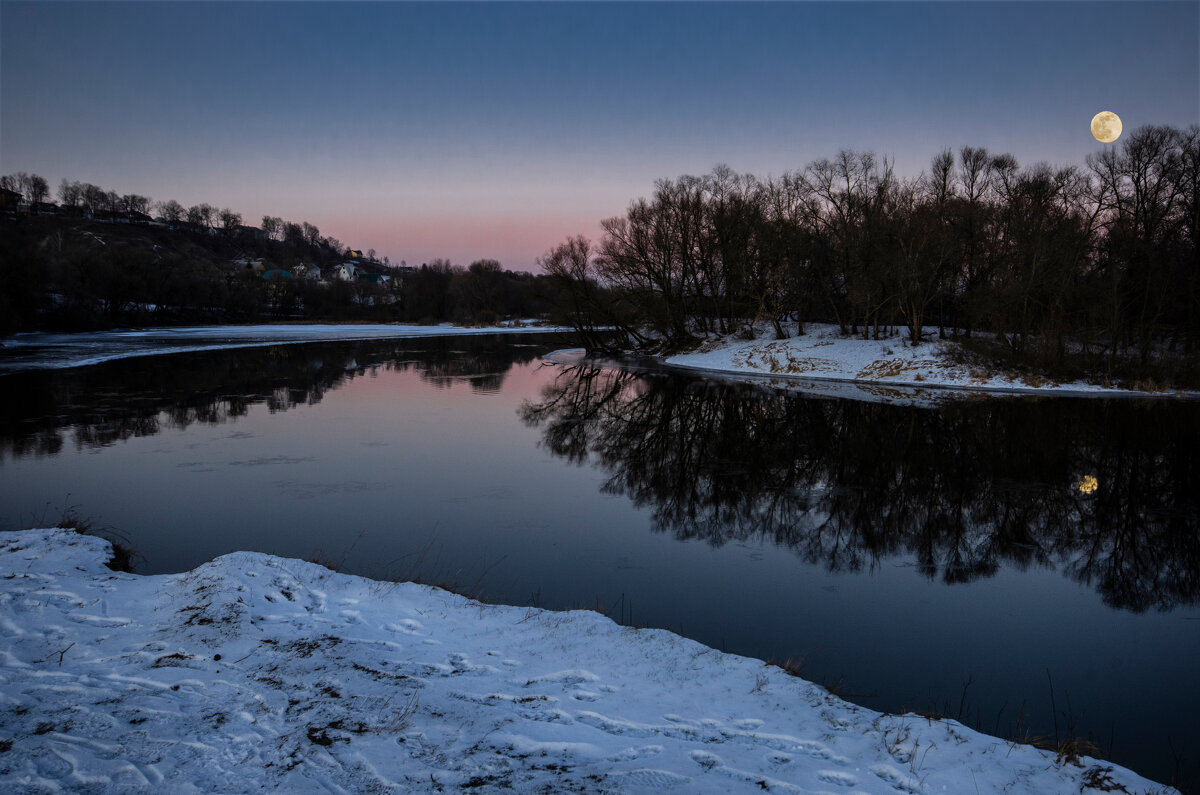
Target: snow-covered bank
823,354
256,672
46,351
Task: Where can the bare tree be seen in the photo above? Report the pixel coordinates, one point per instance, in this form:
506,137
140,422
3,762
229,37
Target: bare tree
1142,193
202,215
70,194
31,186
20,183
312,235
272,227
293,234
94,198
133,203
577,272
171,211
975,174
38,188
230,221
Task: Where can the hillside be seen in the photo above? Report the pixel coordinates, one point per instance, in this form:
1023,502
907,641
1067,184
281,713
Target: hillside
69,273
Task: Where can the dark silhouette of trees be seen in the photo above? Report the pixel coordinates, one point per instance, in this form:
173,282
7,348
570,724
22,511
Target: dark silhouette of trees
230,221
70,195
201,215
1052,262
585,305
272,227
108,262
32,187
171,211
1145,192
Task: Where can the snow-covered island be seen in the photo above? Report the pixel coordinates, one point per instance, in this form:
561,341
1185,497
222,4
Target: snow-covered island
823,354
254,673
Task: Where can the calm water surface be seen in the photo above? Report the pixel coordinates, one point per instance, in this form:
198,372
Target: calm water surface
972,560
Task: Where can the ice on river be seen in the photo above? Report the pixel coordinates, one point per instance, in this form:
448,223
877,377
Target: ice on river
45,351
253,672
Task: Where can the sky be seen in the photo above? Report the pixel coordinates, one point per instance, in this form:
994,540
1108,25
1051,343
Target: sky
494,130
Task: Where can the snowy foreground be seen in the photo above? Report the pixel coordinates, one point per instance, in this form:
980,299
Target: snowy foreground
823,354
255,672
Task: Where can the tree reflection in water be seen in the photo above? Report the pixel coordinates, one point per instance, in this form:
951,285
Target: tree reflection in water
1104,491
102,405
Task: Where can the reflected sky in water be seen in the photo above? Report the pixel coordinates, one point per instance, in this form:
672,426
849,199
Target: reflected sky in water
896,553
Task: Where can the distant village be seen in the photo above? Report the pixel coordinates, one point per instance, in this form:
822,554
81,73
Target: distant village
86,201
97,258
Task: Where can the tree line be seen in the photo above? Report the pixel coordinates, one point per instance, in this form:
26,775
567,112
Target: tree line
67,266
1047,261
77,198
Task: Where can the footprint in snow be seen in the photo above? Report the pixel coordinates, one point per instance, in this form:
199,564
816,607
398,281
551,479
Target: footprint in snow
897,779
834,777
406,625
99,621
631,753
836,722
585,695
657,779
55,764
61,598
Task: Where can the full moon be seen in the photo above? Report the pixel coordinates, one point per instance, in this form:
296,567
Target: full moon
1106,126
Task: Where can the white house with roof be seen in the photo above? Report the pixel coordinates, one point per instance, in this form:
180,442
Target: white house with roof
309,271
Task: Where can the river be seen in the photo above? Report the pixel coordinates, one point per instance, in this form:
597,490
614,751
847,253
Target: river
1028,566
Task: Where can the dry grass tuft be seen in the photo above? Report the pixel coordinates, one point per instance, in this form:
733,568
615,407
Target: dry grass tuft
789,666
1149,385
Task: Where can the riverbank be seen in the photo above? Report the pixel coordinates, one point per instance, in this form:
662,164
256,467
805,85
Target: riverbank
824,354
255,672
52,351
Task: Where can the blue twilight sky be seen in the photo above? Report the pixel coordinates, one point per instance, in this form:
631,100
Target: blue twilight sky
469,130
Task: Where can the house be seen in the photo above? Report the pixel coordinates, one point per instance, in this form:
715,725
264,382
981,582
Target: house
346,272
9,199
277,275
256,265
309,272
381,279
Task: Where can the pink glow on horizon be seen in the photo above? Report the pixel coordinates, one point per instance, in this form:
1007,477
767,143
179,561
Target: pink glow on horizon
515,240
